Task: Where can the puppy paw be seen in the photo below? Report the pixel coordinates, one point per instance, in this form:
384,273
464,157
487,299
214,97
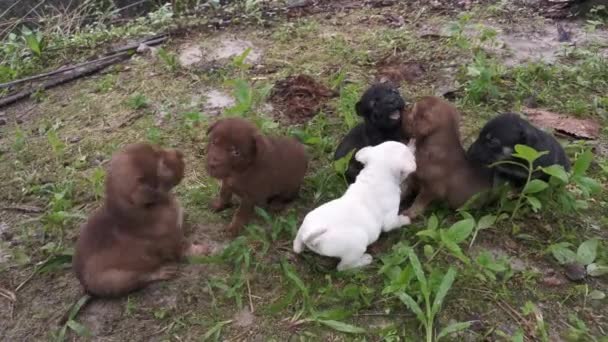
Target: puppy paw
404,220
409,213
198,249
233,231
218,205
164,273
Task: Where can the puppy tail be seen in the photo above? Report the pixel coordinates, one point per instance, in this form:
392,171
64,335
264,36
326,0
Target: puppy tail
298,245
311,240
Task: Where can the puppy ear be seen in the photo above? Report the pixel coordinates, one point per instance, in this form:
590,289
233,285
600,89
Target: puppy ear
359,108
212,126
527,135
258,144
363,154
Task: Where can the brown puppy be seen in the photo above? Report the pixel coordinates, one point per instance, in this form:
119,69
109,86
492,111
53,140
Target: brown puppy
134,237
443,171
260,170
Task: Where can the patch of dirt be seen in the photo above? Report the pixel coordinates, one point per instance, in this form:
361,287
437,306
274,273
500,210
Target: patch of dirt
190,55
546,43
573,127
216,101
232,47
299,98
395,72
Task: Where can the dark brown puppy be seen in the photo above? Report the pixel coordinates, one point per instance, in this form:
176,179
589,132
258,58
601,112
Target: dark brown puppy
443,171
260,170
134,237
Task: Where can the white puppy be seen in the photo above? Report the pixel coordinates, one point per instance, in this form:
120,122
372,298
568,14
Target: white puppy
344,227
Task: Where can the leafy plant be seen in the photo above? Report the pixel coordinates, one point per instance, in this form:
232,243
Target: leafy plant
536,191
341,165
490,267
349,95
541,327
96,179
20,139
447,238
585,255
431,308
71,322
137,101
483,77
57,145
34,41
154,135
169,59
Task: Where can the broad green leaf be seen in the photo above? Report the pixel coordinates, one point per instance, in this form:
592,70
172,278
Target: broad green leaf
413,306
342,327
428,233
76,308
535,185
597,295
596,270
444,287
534,202
452,328
424,287
78,328
518,337
428,251
587,252
291,274
590,185
486,222
453,247
333,314
56,263
341,165
562,253
527,153
557,171
582,163
433,222
460,230
215,330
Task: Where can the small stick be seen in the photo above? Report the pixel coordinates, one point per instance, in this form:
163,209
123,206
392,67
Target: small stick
251,308
23,209
150,41
8,294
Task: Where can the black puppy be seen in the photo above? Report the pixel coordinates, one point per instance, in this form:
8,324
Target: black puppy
381,107
497,141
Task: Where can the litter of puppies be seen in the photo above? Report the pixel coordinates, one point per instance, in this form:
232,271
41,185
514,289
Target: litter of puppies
136,237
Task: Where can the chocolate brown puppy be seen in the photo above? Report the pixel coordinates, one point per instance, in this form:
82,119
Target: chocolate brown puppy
260,170
136,235
443,171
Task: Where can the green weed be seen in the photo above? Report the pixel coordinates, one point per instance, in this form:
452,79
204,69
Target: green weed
170,61
427,316
137,101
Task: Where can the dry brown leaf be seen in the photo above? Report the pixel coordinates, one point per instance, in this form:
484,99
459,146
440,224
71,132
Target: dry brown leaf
577,128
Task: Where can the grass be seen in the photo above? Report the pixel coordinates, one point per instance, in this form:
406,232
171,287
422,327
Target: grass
54,160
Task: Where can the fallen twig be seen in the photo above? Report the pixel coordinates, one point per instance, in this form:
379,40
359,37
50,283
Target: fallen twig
77,71
155,40
23,209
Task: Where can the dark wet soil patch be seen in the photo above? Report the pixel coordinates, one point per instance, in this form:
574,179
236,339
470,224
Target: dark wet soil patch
396,72
299,98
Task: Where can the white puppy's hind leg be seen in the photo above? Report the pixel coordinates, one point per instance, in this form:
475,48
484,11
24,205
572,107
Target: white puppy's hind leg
354,261
395,221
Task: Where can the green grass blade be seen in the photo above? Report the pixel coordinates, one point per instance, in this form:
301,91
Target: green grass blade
216,329
424,287
413,306
341,326
444,287
452,328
